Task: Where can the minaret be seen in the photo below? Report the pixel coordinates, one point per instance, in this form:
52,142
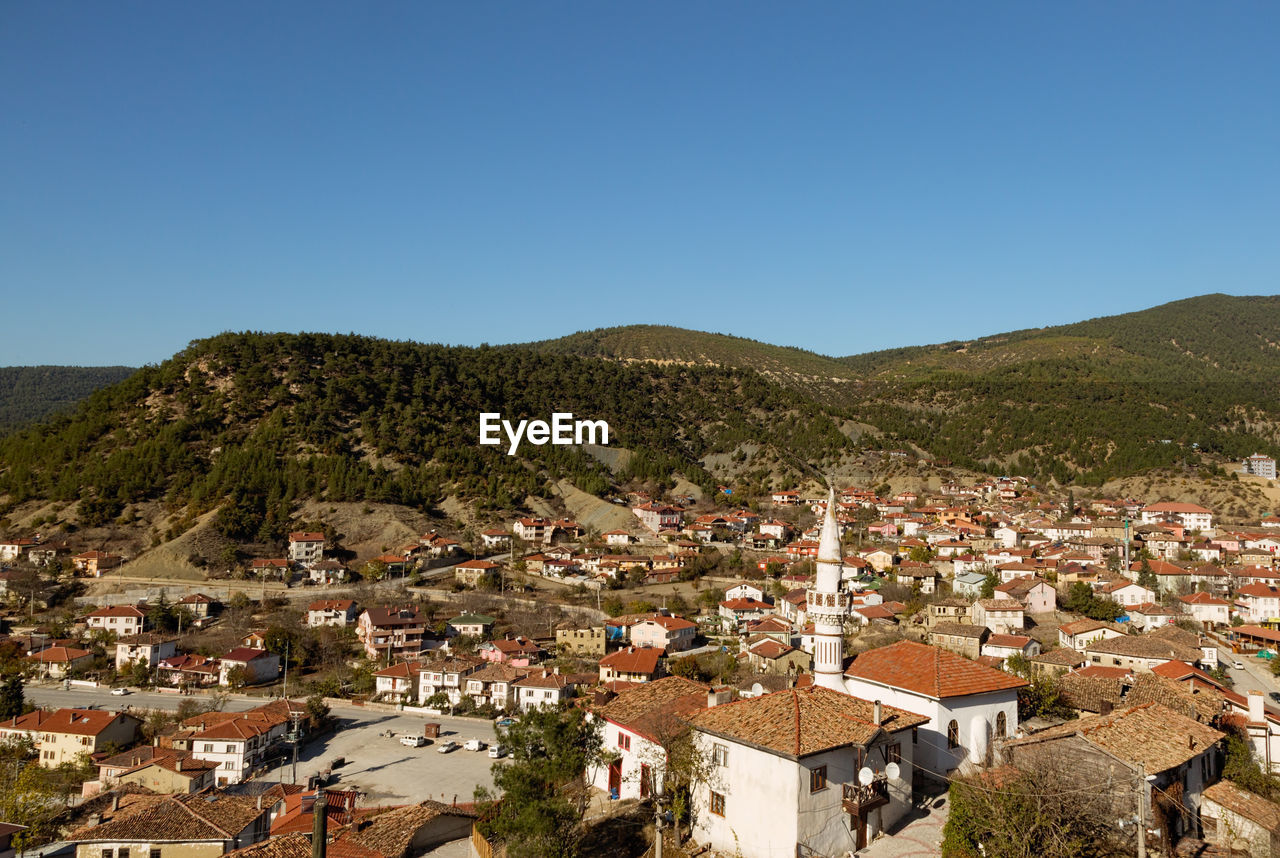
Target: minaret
828,605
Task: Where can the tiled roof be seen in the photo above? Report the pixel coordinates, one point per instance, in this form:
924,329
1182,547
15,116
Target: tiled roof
672,624
770,648
544,679
1016,641
331,605
145,639
964,630
1081,626
118,611
638,707
633,659
1144,646
244,653
392,616
58,655
80,722
799,722
1252,807
1150,734
404,669
177,818
929,670
390,834
1062,655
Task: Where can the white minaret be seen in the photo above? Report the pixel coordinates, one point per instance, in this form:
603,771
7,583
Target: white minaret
828,605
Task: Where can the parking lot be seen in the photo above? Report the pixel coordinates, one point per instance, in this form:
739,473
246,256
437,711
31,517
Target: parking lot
389,772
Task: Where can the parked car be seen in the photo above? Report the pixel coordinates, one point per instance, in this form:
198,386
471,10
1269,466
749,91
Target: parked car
1275,696
474,745
413,741
506,722
119,692
497,752
1238,665
446,746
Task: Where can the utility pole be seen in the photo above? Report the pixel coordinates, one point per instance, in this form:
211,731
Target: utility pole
1142,810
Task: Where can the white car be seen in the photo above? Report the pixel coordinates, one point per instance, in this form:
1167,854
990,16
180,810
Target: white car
1238,665
119,692
497,752
447,746
413,741
474,745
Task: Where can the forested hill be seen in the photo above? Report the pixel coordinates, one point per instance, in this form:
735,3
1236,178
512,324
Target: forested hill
1082,402
31,393
263,420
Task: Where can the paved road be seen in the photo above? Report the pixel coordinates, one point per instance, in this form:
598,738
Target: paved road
82,698
920,837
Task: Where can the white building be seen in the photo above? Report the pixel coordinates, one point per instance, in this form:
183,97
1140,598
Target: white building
148,647
1189,515
786,768
968,705
306,548
1262,466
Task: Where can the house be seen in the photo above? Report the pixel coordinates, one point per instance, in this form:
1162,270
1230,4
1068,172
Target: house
164,771
391,632
494,685
398,683
1161,751
496,539
1140,653
517,652
737,611
766,655
912,573
331,612
198,605
1258,603
472,625
470,572
1208,610
327,572
967,705
784,776
951,609
1079,634
1237,820
59,662
1003,646
1151,616
1036,594
961,638
772,626
445,676
1189,515
673,634
121,619
247,666
656,516
238,742
67,733
189,670
271,567
94,563
588,642
306,547
189,826
365,832
632,664
1259,465
1001,616
543,688
148,647
747,590
1058,661
1127,593
968,584
533,529
638,725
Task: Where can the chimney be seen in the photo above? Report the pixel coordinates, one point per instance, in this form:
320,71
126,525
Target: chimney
178,764
115,802
259,801
719,696
319,826
1257,714
877,713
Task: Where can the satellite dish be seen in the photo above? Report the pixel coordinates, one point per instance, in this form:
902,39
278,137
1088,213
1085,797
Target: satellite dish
892,771
866,776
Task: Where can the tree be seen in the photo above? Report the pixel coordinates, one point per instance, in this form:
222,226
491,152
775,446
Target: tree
543,789
1147,577
12,701
990,583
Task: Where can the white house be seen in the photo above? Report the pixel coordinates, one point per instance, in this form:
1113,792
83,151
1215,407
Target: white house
331,612
968,705
636,725
1079,634
1206,609
1002,616
147,647
785,773
1258,602
541,689
305,548
121,619
1189,515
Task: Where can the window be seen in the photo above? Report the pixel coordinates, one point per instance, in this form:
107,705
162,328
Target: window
717,807
953,735
818,779
915,735
155,853
106,853
208,748
893,753
624,741
122,852
1002,725
720,756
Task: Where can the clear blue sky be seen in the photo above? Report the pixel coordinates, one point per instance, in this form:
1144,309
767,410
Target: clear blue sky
839,176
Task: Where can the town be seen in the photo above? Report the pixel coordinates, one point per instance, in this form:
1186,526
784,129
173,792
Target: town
814,673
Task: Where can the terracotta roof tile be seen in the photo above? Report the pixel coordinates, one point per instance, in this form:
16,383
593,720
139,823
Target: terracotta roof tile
929,670
799,722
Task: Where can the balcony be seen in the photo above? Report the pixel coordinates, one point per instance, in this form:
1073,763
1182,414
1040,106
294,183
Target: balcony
858,798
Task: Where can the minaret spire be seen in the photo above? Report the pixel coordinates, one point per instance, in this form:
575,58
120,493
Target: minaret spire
827,605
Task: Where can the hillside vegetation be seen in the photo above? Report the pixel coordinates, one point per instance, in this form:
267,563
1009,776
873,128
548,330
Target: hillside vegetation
254,423
32,393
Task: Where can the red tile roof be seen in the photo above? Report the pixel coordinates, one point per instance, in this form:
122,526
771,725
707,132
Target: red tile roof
929,670
642,659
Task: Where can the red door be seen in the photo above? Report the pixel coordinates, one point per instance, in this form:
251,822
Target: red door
615,778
